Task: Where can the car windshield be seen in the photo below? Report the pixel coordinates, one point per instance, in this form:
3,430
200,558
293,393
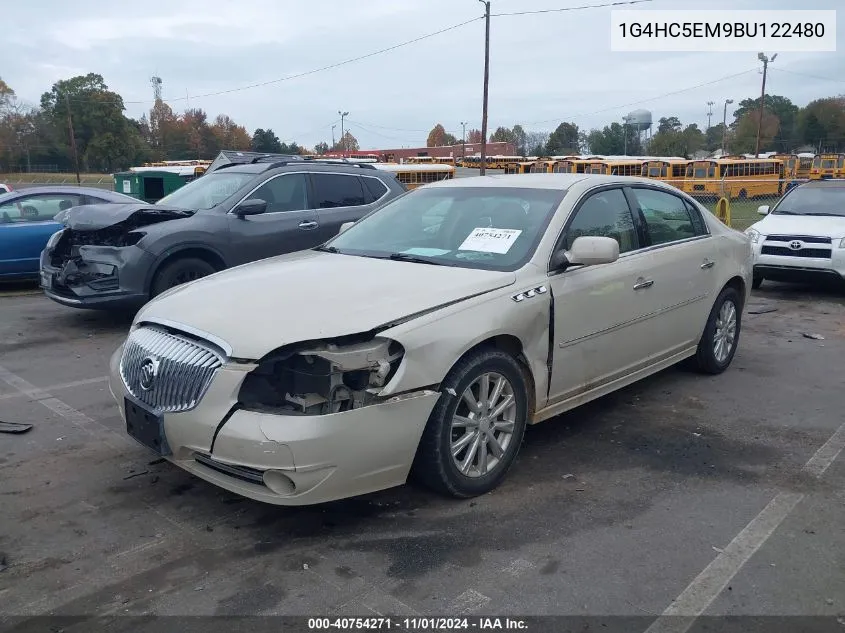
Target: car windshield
207,191
470,227
825,200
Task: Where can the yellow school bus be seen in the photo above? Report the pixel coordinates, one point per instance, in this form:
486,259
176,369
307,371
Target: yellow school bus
828,166
542,166
420,160
444,160
734,179
413,176
520,167
671,171
790,164
566,166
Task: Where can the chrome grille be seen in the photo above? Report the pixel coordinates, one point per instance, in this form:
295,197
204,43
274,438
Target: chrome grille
183,368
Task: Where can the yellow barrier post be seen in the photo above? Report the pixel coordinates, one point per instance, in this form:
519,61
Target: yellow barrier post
723,210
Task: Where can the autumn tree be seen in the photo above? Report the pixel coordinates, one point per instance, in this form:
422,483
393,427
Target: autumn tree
786,136
437,136
321,148
535,143
348,143
474,136
744,139
230,135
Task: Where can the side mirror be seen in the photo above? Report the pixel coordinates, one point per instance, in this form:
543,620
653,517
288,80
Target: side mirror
593,250
251,207
344,226
763,210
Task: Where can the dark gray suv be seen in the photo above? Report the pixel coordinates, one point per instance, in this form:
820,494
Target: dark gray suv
120,256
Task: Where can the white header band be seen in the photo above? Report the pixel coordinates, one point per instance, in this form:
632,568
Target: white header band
723,31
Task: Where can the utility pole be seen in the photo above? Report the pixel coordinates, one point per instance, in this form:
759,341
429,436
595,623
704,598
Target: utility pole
463,140
334,144
765,61
709,112
486,4
725,125
343,115
72,139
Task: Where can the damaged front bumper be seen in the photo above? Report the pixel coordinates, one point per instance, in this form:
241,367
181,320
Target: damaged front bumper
291,459
90,276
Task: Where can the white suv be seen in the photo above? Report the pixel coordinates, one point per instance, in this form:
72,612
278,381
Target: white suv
803,237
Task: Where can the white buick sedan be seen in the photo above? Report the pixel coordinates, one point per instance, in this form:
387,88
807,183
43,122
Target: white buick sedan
424,338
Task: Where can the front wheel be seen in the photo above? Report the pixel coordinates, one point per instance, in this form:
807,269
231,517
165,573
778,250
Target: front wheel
719,341
475,430
180,271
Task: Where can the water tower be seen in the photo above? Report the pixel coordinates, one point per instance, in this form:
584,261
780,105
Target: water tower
640,120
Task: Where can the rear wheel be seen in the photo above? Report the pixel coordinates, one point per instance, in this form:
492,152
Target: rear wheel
472,437
178,272
719,341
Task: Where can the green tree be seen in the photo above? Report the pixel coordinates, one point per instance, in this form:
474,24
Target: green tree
520,139
668,124
503,135
321,148
449,139
98,120
611,140
564,140
713,137
266,141
822,124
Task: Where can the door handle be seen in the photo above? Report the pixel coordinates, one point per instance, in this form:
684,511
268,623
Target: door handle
708,264
645,283
308,225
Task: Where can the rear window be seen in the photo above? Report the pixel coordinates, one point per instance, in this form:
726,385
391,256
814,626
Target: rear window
373,189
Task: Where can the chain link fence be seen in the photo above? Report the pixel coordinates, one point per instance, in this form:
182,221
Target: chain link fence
21,180
743,196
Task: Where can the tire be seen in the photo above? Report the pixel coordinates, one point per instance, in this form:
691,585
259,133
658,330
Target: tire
434,465
706,359
756,282
178,272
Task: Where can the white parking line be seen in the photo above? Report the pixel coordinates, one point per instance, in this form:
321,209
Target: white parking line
701,592
59,387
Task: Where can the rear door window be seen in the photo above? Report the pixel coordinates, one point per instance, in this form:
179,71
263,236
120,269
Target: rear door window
337,190
373,189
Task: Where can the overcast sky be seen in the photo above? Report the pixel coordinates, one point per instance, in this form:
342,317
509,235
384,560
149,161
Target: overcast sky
544,68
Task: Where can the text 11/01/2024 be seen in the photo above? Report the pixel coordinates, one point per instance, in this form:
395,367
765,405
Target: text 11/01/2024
723,31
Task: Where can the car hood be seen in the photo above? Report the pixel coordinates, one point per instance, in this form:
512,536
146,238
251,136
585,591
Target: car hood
94,217
817,225
310,295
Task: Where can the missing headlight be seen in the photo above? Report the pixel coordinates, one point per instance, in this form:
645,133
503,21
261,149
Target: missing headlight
324,377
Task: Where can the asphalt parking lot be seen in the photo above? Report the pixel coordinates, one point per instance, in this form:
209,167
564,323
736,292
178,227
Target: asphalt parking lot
723,494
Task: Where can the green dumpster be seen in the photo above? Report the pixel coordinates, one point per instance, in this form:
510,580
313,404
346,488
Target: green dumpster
149,186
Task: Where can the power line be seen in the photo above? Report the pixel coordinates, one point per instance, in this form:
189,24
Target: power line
323,68
586,6
793,72
633,103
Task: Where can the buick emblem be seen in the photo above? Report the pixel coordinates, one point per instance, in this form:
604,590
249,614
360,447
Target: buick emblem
795,245
149,372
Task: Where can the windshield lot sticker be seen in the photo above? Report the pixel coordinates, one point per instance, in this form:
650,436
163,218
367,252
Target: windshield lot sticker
490,240
426,252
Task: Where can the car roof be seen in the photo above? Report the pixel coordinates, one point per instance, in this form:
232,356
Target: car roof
540,181
298,165
831,182
72,189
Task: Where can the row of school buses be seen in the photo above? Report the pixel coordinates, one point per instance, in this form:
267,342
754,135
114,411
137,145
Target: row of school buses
734,177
